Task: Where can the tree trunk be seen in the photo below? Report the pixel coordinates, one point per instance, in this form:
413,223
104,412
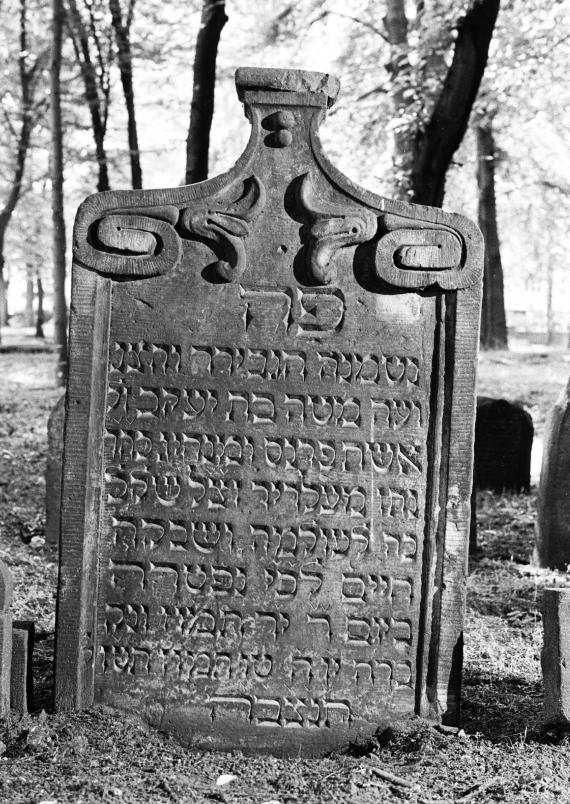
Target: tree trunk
100,152
202,109
96,104
40,309
4,302
3,311
438,141
29,311
549,299
122,37
27,83
493,320
401,84
56,171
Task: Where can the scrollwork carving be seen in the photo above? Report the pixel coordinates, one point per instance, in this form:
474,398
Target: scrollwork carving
226,223
128,242
141,242
332,226
408,256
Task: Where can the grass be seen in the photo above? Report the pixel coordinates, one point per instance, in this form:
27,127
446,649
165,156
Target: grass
503,754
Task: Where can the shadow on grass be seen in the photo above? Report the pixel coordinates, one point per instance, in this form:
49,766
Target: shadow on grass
505,526
501,708
502,590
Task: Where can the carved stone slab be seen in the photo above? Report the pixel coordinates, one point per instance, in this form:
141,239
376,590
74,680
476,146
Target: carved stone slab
555,657
6,591
22,679
268,447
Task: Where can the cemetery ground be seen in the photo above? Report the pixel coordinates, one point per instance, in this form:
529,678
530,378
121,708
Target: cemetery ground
502,753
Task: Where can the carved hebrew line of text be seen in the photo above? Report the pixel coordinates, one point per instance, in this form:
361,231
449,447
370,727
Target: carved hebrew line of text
170,488
347,456
145,359
309,541
166,578
368,369
149,533
213,362
182,664
319,499
283,712
276,312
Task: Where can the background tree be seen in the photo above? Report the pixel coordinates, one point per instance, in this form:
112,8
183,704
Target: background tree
212,21
529,48
122,28
416,68
493,319
92,42
57,204
432,103
390,91
20,125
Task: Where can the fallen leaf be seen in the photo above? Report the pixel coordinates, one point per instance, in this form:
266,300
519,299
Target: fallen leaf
225,778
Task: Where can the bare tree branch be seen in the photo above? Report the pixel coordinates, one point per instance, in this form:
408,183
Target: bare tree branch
366,24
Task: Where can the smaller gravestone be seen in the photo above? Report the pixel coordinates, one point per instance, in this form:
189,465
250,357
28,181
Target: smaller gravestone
553,522
556,655
22,682
6,588
503,445
53,471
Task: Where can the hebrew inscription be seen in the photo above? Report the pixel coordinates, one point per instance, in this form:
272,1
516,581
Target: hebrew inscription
266,504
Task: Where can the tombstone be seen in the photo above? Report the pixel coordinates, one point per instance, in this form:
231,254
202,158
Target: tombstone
555,657
553,520
6,589
54,471
22,680
503,445
272,370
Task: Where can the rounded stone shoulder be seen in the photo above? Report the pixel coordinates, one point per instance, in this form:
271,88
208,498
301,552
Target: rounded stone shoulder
281,80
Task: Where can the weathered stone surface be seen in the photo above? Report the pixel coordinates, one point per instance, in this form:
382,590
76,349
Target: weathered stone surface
556,655
6,589
270,79
553,521
282,370
503,444
473,546
54,469
22,680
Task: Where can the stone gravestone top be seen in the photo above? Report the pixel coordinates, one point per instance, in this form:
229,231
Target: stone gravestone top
268,447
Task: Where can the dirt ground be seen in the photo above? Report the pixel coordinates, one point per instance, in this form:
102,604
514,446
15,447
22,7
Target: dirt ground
501,754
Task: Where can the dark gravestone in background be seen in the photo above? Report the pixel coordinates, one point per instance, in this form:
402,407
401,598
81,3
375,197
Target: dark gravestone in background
503,445
272,371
